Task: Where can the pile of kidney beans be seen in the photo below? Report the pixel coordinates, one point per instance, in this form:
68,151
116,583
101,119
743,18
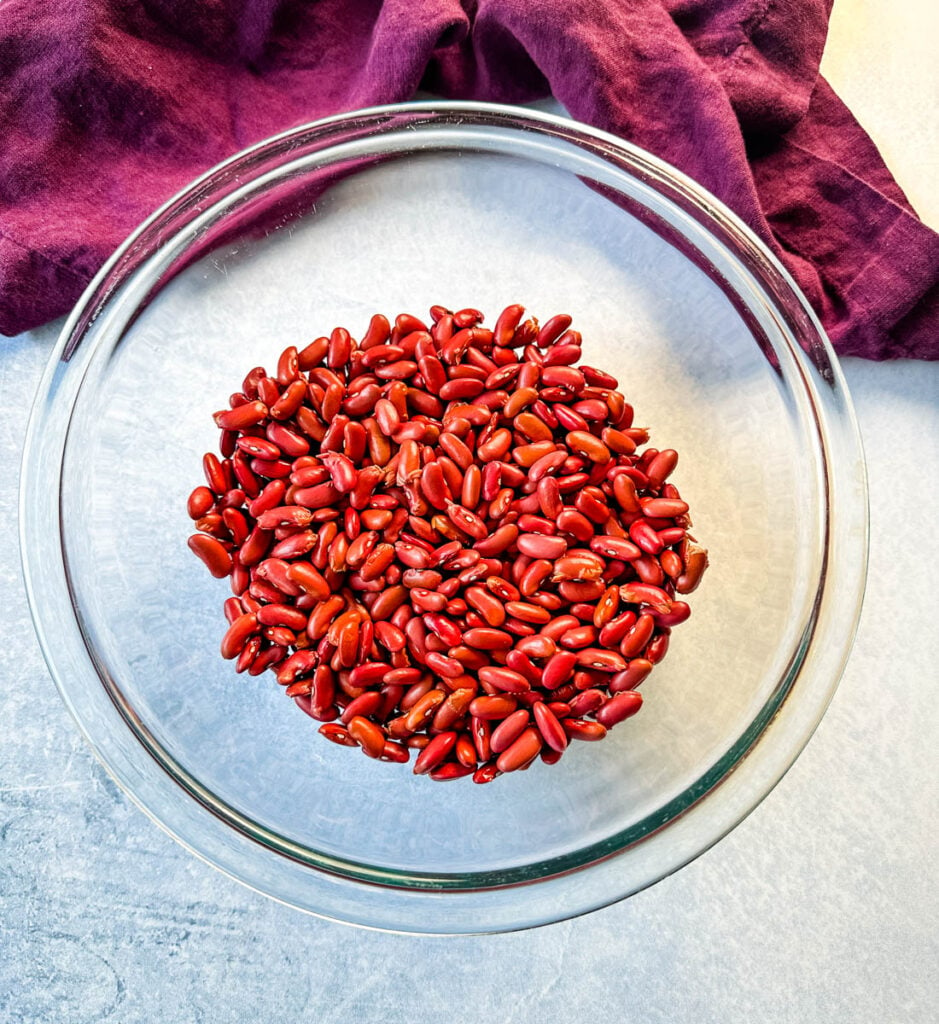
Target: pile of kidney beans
446,539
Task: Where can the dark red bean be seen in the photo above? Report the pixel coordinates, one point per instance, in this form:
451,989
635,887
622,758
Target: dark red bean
522,751
536,545
451,770
508,730
237,635
581,729
213,554
200,502
368,735
550,728
435,752
504,679
486,773
619,708
638,636
632,676
337,734
247,415
492,708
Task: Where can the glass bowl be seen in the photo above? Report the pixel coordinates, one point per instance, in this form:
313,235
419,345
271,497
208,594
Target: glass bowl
394,209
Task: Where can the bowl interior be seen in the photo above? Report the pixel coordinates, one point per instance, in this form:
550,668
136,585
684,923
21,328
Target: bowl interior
457,226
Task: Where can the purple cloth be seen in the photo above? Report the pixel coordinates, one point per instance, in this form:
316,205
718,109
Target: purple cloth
108,107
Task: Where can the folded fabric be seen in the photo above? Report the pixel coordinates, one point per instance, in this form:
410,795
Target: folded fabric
107,108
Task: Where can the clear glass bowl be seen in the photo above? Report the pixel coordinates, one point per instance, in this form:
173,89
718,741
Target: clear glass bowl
395,209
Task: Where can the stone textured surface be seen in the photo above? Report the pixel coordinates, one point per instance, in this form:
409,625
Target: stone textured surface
821,906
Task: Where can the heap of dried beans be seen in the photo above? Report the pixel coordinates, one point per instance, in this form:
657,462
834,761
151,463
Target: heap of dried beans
444,539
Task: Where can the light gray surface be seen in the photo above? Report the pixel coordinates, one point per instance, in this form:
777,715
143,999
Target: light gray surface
822,906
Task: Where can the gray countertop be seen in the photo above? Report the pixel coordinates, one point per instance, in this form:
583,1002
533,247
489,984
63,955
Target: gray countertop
822,906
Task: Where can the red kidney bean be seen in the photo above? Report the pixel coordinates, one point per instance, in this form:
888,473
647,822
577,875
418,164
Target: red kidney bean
552,330
200,502
660,467
624,491
646,593
492,708
237,635
615,547
268,658
632,676
645,537
558,669
583,729
337,734
586,702
678,613
448,631
465,752
499,541
521,663
657,647
296,665
486,773
236,524
487,604
232,609
578,636
423,709
281,615
248,653
618,708
550,728
663,508
487,638
435,752
600,660
638,636
448,668
671,563
539,546
450,770
648,570
504,680
508,730
294,546
522,751
365,704
280,636
214,525
247,415
395,752
587,444
213,554
368,735
528,612
453,708
695,562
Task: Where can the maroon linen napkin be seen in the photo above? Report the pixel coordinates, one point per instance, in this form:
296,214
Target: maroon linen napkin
108,107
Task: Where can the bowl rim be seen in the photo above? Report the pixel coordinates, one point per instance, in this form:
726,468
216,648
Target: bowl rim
818,361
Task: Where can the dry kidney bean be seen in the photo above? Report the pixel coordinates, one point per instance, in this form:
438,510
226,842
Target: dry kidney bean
550,728
618,708
521,752
213,553
448,539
